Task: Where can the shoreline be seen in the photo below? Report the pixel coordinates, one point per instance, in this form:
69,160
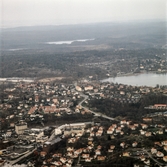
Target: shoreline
135,74
139,79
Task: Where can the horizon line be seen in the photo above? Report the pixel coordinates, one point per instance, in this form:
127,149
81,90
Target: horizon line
99,22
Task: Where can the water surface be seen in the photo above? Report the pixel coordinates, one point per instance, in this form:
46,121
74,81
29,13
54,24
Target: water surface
68,42
145,79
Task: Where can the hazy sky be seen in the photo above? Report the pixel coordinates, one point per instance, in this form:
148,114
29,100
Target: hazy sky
53,12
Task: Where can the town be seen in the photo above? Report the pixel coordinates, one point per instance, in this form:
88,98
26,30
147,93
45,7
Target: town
83,83
61,124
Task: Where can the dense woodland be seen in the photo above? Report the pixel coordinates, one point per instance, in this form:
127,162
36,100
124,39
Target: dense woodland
133,111
24,52
71,64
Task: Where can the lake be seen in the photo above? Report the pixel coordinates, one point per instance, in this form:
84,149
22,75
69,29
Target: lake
68,42
16,79
144,79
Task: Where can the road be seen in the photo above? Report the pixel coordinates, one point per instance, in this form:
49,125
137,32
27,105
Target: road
150,155
95,113
19,159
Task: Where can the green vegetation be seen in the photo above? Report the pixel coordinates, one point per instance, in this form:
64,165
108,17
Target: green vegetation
74,64
133,111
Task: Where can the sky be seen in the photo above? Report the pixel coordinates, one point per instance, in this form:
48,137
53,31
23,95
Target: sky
15,13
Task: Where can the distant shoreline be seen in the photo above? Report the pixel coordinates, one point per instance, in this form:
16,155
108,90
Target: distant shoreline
135,74
139,79
17,79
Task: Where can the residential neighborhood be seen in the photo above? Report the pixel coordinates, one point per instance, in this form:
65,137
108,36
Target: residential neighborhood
39,120
83,83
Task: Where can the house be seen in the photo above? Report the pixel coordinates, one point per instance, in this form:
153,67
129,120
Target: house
70,149
78,88
121,133
126,154
77,110
153,150
128,122
147,162
165,158
123,122
118,129
70,161
164,142
68,165
159,154
99,147
144,126
165,148
98,133
57,155
32,110
86,150
132,127
122,93
134,144
43,154
122,144
71,140
147,134
63,160
111,149
136,125
114,125
92,134
142,157
142,132
110,130
57,163
55,101
49,109
79,151
160,132
160,106
88,159
101,158
85,156
90,139
97,152
70,153
158,143
147,119
136,165
36,98
79,134
88,88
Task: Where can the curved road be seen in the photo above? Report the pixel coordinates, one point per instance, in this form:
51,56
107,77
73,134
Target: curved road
159,163
96,114
12,162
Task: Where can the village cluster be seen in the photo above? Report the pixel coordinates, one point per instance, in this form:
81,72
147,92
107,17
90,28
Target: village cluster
84,142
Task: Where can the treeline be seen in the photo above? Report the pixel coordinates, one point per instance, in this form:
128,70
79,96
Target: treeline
133,111
37,64
46,65
115,109
152,99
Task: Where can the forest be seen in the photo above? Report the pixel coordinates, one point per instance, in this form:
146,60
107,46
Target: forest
25,53
72,64
133,111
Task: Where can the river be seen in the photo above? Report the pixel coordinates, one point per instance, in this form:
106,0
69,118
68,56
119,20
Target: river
144,79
